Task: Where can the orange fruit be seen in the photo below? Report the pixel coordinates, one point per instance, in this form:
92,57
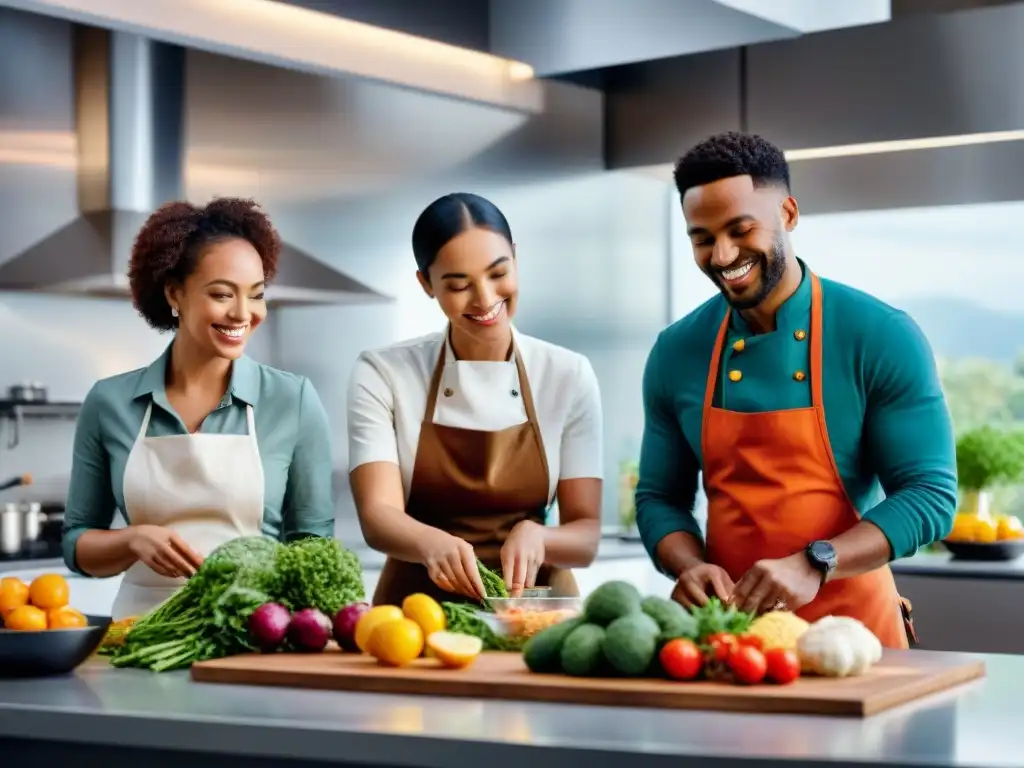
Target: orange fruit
13,594
28,618
65,618
425,611
369,621
396,643
49,591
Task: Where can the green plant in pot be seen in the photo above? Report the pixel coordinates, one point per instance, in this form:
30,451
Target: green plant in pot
987,458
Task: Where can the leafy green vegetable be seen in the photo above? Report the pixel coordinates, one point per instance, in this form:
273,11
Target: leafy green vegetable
987,457
716,617
494,585
208,617
463,618
319,573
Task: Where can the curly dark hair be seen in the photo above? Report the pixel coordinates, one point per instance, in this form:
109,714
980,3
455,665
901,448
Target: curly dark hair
732,154
170,243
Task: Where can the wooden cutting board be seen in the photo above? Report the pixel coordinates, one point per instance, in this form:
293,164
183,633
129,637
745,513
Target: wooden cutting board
900,677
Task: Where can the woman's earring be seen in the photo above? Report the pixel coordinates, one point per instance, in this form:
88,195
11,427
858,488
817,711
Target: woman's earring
174,311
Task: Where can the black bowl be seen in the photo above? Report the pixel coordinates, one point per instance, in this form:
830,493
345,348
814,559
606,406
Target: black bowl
50,651
995,551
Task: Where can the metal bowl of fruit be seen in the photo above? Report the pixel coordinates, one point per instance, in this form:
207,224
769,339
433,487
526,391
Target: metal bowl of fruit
522,617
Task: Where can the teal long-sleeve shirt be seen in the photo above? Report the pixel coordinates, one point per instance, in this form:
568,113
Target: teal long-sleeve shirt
887,418
292,432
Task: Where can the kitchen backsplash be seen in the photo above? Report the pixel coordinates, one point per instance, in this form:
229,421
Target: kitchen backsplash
334,164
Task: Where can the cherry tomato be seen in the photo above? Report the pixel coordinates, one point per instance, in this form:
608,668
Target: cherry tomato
783,665
748,665
752,640
720,646
681,659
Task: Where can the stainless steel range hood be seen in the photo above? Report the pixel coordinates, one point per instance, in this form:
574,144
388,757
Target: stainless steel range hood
130,103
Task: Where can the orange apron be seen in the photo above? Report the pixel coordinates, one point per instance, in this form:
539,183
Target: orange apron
773,487
476,485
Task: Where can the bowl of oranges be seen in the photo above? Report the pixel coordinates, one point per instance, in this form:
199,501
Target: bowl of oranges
40,632
985,537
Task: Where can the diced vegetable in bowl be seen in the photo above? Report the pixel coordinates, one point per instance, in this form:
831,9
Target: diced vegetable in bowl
523,617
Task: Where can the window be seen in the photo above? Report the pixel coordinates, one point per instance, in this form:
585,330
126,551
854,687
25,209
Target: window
957,271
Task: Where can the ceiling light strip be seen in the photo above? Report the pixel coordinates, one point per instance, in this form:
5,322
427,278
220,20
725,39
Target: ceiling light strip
298,38
905,145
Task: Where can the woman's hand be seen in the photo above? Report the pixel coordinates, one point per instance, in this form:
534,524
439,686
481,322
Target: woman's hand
164,551
451,564
522,556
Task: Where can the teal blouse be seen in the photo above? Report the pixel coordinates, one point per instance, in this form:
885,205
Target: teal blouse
885,412
292,431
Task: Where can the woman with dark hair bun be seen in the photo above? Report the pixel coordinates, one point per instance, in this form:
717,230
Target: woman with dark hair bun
205,444
460,441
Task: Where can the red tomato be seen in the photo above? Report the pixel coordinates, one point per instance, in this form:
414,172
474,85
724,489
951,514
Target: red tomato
748,665
681,659
783,665
752,640
720,646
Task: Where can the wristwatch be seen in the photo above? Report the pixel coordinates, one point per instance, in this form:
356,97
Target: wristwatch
822,557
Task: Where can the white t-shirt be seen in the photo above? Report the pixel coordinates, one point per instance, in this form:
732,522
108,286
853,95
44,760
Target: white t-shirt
387,397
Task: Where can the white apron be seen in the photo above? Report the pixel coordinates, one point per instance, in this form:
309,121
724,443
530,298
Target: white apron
208,488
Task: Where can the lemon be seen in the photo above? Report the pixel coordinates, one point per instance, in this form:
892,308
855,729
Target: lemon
454,649
985,532
425,611
369,621
396,643
1009,528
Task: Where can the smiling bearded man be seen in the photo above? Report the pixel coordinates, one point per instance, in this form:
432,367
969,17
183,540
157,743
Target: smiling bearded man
813,412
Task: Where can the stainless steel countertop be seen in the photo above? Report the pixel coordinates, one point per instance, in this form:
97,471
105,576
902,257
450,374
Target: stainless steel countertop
975,725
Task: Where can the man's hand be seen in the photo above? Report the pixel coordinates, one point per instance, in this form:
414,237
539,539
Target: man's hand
786,584
693,583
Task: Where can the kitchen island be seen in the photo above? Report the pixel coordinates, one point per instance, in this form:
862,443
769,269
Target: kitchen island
102,716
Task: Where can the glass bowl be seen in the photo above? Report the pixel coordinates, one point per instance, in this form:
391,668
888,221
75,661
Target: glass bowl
523,617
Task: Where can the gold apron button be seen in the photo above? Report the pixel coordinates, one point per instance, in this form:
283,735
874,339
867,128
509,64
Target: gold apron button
735,375
738,346
800,335
515,393
799,376
448,392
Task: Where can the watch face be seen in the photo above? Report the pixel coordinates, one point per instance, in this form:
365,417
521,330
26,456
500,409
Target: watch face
824,553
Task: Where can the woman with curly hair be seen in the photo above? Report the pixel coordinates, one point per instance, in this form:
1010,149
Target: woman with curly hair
205,444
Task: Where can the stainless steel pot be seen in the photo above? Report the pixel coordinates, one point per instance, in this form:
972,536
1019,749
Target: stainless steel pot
33,392
20,525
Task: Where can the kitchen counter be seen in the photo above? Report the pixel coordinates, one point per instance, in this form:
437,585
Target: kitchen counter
943,564
103,714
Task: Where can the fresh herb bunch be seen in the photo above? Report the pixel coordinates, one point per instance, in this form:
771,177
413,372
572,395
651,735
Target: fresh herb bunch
494,585
715,617
208,617
987,457
319,573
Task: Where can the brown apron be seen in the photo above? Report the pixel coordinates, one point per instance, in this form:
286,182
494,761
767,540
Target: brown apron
478,486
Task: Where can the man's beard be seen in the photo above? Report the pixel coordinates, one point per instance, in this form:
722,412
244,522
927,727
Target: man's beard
771,270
